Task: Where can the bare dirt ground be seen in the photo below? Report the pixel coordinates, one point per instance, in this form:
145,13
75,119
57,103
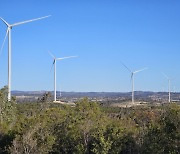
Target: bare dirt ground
128,104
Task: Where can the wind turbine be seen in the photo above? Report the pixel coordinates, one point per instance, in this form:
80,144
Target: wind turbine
54,63
8,32
169,86
132,78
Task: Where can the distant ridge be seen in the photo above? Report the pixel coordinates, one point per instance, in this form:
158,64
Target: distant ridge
90,94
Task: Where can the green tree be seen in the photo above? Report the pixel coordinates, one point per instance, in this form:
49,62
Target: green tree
7,120
74,132
47,96
164,136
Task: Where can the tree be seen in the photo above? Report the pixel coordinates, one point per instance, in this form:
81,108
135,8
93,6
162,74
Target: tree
74,132
7,120
46,97
164,136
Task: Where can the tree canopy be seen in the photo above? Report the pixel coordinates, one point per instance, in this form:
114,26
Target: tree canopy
87,128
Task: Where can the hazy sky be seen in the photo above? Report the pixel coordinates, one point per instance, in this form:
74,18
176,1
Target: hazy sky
102,33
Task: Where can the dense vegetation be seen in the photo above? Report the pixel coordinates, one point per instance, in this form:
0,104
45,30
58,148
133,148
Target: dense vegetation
42,127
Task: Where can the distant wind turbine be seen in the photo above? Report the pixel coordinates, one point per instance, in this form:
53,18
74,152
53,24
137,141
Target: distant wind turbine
174,89
169,85
8,32
60,93
54,63
132,78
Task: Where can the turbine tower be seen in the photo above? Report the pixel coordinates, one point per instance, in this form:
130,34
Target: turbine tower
169,86
8,32
54,63
132,78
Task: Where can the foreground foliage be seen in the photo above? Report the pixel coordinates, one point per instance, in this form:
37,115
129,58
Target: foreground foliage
35,128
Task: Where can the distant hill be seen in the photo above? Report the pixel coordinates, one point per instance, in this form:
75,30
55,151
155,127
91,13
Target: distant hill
147,96
143,94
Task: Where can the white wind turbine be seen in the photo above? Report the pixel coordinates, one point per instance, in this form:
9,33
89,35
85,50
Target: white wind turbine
54,63
8,32
169,86
60,93
132,78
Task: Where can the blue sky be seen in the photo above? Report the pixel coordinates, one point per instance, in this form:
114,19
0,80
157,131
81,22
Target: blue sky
102,33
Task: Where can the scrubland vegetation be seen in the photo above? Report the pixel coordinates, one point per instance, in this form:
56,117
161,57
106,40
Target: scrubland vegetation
44,127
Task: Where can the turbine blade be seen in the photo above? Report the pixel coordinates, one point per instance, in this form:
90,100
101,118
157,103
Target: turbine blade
126,67
52,55
165,75
4,41
140,70
52,65
5,21
23,22
66,57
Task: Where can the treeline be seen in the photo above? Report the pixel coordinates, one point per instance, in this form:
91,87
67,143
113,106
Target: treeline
40,128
